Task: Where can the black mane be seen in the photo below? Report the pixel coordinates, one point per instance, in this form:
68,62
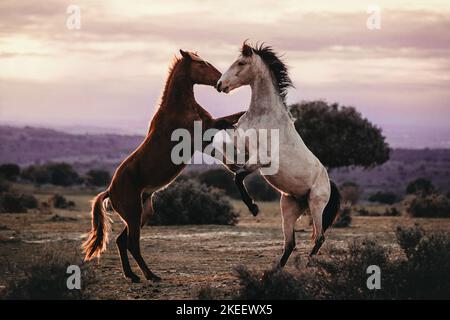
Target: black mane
278,68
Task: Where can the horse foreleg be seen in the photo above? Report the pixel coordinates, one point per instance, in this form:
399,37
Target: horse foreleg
227,122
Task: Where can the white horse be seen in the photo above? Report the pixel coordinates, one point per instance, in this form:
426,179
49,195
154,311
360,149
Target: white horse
301,178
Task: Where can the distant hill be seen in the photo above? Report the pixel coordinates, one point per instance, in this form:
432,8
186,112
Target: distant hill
30,145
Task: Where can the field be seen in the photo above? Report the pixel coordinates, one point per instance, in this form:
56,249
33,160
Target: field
186,257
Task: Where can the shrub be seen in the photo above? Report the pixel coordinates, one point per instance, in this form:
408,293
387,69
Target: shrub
60,174
420,186
4,185
11,202
190,202
384,197
260,189
9,171
45,277
29,201
343,219
392,212
220,179
430,206
424,275
275,284
60,202
98,178
341,274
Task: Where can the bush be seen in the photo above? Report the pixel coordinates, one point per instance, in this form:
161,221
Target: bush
341,274
60,202
9,171
60,174
220,179
275,284
260,189
430,206
425,272
420,186
190,202
392,212
11,202
343,219
4,185
389,212
384,197
98,178
36,174
45,277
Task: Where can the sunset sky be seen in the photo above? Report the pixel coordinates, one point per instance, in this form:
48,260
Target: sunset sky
110,73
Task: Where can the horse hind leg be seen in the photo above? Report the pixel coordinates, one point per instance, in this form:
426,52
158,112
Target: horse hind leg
290,211
134,234
317,205
121,243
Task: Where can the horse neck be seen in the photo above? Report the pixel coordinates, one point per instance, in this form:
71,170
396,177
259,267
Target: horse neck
179,89
265,98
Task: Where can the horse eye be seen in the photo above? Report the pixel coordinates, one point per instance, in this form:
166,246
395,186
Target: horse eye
241,63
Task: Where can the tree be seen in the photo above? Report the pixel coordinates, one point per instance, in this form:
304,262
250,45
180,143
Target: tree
62,174
36,174
10,171
421,186
338,135
98,178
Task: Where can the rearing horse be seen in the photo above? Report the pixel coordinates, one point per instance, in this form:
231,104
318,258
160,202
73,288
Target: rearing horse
150,167
301,178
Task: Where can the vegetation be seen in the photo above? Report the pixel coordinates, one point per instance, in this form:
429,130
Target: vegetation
385,197
190,202
9,171
98,178
429,206
421,186
339,136
222,179
45,277
11,202
60,202
59,174
422,272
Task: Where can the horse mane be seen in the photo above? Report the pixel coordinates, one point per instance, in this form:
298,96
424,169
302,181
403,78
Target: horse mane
277,67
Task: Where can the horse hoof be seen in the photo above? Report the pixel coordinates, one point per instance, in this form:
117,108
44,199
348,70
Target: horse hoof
134,278
254,209
153,277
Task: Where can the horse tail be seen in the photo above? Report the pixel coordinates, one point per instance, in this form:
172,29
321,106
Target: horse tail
332,207
101,224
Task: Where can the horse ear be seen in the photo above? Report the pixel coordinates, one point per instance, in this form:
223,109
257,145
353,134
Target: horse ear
246,50
185,54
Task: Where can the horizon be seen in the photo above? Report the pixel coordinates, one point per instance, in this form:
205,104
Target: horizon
110,73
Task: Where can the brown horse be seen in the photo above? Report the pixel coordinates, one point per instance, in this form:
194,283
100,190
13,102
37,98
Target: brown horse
150,168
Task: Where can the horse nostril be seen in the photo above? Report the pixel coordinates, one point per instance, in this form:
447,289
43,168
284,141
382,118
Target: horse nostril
219,84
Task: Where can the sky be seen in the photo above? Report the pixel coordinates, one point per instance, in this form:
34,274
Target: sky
110,73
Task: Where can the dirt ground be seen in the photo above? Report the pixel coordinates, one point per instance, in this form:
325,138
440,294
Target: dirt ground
186,257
